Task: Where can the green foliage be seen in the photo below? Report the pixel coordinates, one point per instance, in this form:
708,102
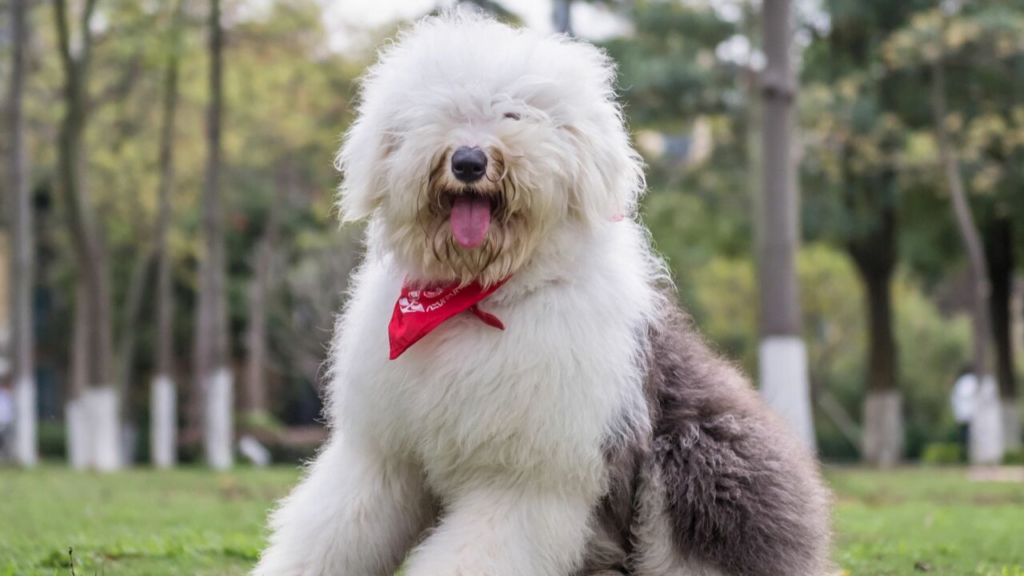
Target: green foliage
52,439
942,453
1014,457
932,351
287,100
869,151
866,107
725,302
259,421
723,297
932,347
980,45
667,67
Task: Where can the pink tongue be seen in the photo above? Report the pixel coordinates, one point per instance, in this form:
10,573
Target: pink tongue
471,217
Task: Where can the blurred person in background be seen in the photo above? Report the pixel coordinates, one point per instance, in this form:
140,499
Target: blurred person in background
6,421
975,408
963,399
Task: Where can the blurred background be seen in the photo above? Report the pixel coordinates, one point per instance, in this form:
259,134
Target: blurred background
171,262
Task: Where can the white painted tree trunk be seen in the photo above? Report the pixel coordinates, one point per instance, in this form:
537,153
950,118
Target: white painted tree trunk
218,420
22,260
25,453
986,439
883,428
128,439
104,425
783,355
79,437
1011,424
163,422
562,16
784,382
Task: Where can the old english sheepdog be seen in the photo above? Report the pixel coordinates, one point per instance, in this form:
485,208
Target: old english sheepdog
513,389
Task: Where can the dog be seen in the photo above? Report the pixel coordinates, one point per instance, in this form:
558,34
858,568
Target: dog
513,389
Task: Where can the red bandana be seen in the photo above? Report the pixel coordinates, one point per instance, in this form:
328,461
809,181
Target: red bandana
417,312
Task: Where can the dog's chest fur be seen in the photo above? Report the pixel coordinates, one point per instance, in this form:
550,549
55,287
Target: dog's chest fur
473,403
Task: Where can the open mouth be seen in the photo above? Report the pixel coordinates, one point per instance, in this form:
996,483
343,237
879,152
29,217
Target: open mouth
470,216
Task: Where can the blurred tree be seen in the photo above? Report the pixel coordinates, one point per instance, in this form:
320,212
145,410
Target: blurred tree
95,407
562,16
999,253
128,328
783,353
834,325
854,185
668,73
980,152
992,157
163,391
23,243
281,216
688,110
261,284
697,218
975,254
282,70
212,373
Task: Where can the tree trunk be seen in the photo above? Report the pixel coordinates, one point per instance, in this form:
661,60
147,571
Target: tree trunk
22,261
126,347
783,354
91,257
163,393
883,416
212,373
79,438
562,16
255,400
999,253
262,285
985,448
755,124
101,404
874,254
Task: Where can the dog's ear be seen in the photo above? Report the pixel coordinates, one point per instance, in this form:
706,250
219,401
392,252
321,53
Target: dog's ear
362,162
609,177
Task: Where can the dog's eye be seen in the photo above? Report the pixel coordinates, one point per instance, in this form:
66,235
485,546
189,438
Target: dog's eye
512,115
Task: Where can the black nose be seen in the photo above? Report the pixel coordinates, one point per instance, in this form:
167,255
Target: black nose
469,164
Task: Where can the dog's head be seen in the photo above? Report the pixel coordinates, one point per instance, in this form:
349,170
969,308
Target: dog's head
474,141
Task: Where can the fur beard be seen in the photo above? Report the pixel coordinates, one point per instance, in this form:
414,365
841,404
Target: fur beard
430,250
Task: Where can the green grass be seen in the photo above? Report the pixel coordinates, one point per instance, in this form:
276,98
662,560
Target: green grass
135,523
927,520
145,523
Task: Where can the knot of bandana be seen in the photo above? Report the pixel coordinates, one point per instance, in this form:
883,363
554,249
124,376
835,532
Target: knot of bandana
419,311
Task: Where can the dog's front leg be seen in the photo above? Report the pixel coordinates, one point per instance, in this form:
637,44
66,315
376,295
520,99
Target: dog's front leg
506,531
355,514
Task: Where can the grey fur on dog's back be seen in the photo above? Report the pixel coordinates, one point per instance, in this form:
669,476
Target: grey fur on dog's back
720,486
741,493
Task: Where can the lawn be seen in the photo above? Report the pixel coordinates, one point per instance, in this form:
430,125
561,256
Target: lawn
145,523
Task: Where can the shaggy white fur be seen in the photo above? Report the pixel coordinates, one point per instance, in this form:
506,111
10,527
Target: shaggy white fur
479,452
